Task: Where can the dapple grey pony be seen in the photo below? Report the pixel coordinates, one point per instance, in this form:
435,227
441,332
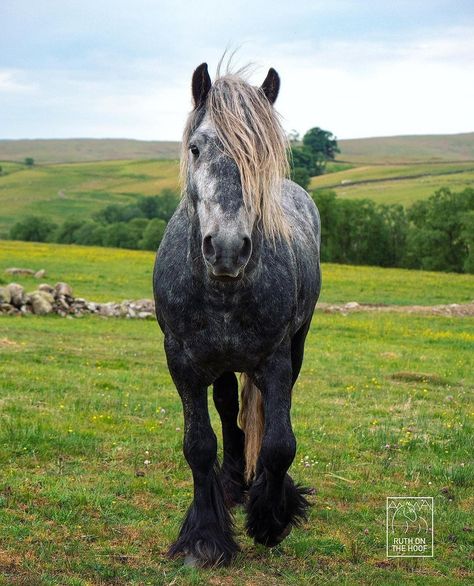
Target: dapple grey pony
236,280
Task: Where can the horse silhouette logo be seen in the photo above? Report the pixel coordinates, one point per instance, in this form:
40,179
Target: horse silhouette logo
410,526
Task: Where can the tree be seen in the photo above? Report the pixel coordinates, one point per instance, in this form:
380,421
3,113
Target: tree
437,238
66,233
319,146
329,214
121,235
322,146
110,214
321,142
301,157
153,234
159,206
360,231
90,234
301,176
396,225
33,229
468,234
29,161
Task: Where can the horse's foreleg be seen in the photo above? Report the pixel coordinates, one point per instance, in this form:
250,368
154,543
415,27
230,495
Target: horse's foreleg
226,400
275,502
206,536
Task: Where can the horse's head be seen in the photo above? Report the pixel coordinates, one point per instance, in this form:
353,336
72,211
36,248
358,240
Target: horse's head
233,160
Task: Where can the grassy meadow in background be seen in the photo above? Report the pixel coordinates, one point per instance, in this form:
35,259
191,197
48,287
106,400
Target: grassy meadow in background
93,483
114,274
63,191
77,177
389,184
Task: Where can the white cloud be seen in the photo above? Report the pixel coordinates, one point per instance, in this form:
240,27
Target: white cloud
357,88
10,81
375,89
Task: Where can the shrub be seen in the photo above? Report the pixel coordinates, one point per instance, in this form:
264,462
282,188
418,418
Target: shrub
33,229
153,234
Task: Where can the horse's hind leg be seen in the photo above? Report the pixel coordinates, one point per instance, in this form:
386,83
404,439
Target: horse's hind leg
206,535
226,400
275,503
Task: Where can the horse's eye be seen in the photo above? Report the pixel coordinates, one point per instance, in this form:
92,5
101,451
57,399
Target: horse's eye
193,148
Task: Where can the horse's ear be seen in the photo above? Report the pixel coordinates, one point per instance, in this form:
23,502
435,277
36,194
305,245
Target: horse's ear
201,85
271,85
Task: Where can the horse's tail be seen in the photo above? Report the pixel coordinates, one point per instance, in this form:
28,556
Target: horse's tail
251,420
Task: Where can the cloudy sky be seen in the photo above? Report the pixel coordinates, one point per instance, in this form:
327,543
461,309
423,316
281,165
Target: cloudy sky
115,68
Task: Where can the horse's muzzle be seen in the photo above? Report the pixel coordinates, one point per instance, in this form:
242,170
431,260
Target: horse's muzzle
226,256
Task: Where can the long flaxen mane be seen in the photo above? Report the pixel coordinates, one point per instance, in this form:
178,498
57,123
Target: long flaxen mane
249,129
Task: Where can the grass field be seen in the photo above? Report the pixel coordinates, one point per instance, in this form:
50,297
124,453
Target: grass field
409,149
93,484
108,274
63,191
385,149
59,189
78,190
80,150
402,184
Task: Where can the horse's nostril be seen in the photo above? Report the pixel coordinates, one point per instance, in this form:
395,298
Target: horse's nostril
246,250
208,248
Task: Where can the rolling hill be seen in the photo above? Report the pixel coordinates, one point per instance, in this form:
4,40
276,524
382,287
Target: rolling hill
80,150
62,191
395,183
408,149
379,150
77,177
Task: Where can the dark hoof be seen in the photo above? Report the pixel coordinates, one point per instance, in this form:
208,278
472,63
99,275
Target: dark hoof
269,523
204,554
206,537
284,534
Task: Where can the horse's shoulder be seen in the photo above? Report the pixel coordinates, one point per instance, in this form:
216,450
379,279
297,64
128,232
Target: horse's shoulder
173,253
298,203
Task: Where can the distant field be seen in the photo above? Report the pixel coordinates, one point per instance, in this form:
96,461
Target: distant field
78,150
408,149
390,149
110,274
396,183
61,190
78,190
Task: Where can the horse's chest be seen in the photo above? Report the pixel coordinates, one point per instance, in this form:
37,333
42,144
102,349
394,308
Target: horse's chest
234,335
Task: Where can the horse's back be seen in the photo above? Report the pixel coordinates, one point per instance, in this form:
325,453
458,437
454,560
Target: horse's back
302,214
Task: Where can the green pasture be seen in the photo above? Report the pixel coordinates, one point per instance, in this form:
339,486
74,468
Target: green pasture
68,150
391,184
93,484
386,172
61,190
113,274
408,149
385,149
65,191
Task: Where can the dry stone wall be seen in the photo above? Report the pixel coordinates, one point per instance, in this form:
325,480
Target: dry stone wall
46,299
